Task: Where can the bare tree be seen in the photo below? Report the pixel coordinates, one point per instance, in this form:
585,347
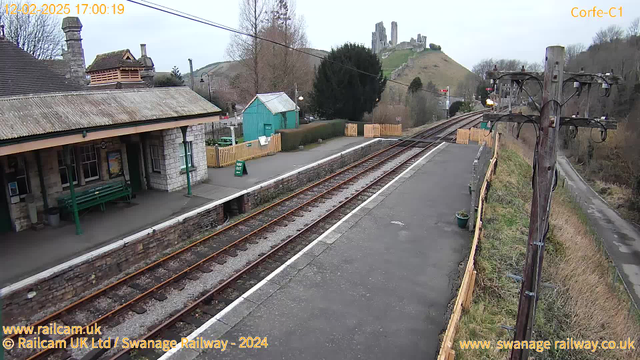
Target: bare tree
571,53
286,67
246,49
634,27
467,87
482,67
534,67
38,34
609,34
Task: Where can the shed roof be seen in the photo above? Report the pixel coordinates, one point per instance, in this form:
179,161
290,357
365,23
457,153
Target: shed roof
21,73
276,102
114,60
31,115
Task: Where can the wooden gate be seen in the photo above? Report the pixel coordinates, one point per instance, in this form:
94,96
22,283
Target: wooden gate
351,130
371,130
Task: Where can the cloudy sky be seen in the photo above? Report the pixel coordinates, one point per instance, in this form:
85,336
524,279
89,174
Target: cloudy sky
467,30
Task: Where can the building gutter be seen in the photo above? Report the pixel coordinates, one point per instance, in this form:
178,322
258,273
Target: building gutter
43,141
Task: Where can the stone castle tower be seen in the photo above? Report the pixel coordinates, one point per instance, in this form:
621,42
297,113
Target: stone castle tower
394,33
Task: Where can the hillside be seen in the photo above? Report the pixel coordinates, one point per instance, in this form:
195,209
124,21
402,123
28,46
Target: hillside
429,65
227,69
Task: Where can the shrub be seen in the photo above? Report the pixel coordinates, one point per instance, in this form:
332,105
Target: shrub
310,133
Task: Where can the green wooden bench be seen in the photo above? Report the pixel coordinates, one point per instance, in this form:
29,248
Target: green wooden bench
96,196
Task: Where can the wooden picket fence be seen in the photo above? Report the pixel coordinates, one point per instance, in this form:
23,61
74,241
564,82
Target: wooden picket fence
377,130
465,293
391,129
463,136
225,156
371,130
351,130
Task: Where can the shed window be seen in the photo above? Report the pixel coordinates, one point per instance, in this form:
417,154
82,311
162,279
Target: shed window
156,159
89,161
64,179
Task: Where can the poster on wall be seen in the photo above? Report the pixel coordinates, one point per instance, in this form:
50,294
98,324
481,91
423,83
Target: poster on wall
114,160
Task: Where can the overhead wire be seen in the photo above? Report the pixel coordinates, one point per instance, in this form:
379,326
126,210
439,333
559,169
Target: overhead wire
187,16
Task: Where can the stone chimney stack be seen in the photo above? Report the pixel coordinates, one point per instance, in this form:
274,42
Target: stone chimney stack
149,69
74,55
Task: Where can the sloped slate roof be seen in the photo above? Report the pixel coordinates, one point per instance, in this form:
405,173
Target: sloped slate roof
113,60
21,73
31,115
277,102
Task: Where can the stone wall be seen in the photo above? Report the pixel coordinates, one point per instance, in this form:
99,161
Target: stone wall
175,173
62,286
286,185
93,270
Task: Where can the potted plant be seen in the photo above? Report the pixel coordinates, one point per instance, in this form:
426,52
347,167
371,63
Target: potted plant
462,218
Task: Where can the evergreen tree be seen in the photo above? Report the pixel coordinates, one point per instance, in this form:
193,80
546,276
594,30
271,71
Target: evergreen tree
175,73
416,84
342,92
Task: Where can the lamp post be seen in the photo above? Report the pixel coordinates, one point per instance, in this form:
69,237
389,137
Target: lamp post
208,83
301,98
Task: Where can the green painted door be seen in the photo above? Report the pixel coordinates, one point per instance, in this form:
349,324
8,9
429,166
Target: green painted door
268,129
133,158
5,217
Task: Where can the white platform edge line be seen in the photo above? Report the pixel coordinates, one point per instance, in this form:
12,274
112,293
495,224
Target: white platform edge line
257,286
131,238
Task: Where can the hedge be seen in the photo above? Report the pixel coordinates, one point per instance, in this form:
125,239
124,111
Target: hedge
310,133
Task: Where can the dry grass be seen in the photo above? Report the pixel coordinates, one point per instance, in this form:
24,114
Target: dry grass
434,66
585,303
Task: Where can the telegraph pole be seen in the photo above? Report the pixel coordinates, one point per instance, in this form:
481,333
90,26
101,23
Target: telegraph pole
547,125
543,184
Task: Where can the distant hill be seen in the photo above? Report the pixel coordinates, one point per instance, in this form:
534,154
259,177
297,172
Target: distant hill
429,65
227,69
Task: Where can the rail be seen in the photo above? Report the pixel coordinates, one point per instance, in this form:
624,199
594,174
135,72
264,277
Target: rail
403,145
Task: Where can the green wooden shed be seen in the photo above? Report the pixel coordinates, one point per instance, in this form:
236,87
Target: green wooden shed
267,113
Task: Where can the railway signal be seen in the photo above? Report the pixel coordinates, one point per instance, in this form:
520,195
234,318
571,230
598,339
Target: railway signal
545,175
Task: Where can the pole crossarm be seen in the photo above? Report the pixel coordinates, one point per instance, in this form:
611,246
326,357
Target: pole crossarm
582,77
609,124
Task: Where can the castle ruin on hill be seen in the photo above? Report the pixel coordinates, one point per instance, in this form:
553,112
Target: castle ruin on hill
379,41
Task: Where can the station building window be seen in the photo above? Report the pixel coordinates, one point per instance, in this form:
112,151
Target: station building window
64,179
89,161
156,158
189,155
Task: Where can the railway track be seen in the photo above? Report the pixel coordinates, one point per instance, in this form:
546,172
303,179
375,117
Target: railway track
111,306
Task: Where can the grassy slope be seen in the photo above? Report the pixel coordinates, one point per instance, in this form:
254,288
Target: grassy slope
585,304
395,60
428,65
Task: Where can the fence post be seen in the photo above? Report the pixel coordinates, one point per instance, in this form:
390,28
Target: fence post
216,151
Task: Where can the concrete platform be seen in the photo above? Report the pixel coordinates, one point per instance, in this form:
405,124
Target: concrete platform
30,252
375,286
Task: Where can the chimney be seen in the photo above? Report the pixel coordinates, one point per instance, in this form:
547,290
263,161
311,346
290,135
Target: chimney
149,70
74,55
